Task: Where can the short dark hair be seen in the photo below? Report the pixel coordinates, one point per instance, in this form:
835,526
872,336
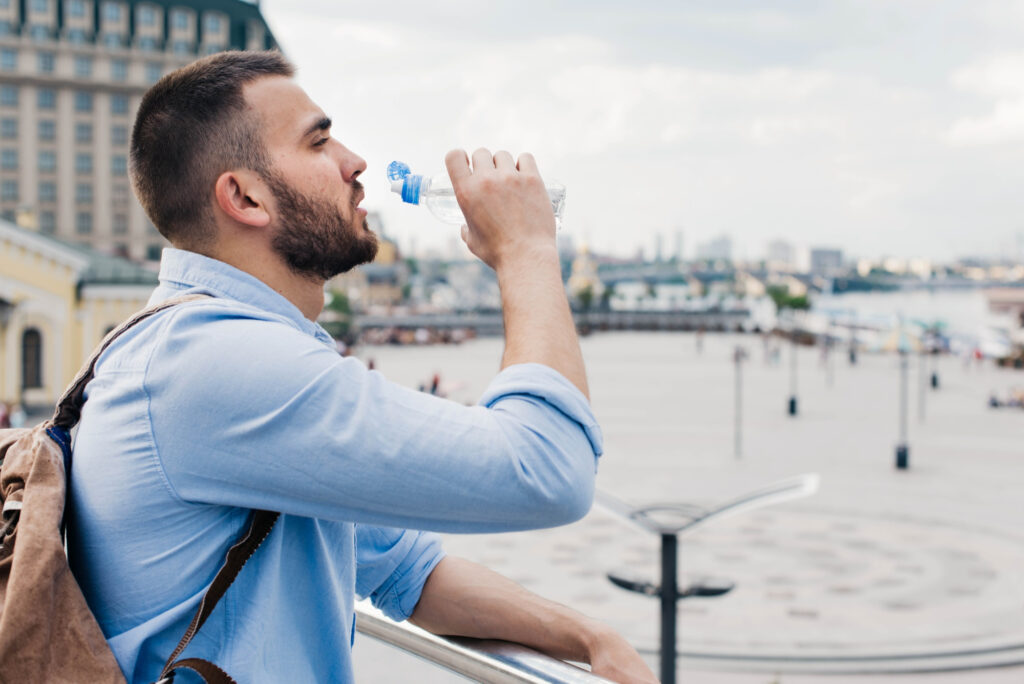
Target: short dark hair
192,126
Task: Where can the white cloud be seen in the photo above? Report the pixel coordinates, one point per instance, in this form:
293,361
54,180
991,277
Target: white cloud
1000,78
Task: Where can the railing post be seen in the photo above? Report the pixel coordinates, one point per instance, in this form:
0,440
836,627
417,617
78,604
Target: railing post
669,596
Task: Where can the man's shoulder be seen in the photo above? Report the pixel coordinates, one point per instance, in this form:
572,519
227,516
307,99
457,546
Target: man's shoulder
197,326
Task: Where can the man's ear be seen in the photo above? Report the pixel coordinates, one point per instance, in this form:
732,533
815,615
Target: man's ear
242,196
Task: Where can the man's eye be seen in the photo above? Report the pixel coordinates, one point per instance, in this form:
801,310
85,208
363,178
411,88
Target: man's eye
320,142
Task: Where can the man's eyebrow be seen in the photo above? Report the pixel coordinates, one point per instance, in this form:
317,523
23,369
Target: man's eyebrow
322,124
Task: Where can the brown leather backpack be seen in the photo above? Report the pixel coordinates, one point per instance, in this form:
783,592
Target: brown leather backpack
47,632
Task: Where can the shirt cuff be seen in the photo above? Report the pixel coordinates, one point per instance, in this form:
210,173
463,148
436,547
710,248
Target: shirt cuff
547,384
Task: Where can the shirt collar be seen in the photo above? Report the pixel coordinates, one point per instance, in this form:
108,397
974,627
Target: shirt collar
183,270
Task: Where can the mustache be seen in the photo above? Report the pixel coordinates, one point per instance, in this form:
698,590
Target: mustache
357,192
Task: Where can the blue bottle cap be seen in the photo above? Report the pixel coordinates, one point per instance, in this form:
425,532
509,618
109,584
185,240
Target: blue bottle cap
398,170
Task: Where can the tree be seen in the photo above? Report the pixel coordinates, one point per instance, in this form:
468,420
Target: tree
783,300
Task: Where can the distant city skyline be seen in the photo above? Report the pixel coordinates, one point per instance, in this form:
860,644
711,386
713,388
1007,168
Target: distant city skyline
858,125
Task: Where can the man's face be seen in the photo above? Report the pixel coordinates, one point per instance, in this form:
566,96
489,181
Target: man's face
319,229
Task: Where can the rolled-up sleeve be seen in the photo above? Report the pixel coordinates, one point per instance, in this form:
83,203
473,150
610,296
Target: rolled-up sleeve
392,566
281,422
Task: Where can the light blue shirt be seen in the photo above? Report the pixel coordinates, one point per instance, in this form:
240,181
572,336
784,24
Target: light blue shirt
215,407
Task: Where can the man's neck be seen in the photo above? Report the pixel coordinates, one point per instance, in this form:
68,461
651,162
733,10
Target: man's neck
307,294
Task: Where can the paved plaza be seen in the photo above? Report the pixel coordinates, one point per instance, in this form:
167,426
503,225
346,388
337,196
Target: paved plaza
883,575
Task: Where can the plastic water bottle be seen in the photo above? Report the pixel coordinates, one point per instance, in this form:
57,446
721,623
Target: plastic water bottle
437,193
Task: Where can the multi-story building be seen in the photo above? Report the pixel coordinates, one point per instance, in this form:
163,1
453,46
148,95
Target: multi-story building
72,73
826,261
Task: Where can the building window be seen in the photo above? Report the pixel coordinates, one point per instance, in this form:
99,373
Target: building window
120,226
8,59
112,11
76,8
153,252
119,165
83,66
40,6
112,40
9,159
147,15
76,36
83,132
5,26
212,49
153,71
148,44
47,222
47,130
83,193
182,47
9,129
31,359
47,191
119,135
47,98
8,95
39,32
83,223
9,190
211,23
119,194
119,103
179,20
83,101
47,161
83,162
45,62
119,70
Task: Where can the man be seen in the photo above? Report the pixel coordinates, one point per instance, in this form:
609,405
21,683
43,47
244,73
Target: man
239,401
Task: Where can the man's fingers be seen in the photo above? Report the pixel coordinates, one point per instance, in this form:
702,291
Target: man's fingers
482,160
527,164
503,161
458,165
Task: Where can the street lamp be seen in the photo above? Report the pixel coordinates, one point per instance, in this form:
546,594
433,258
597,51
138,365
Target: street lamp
669,521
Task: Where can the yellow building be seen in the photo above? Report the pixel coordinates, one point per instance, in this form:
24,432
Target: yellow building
57,301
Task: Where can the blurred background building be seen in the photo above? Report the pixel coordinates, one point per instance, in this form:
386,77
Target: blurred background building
72,73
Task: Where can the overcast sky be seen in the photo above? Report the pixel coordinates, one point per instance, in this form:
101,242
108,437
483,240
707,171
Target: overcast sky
884,127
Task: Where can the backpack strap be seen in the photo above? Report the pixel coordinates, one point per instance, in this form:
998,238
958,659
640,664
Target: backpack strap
236,557
69,408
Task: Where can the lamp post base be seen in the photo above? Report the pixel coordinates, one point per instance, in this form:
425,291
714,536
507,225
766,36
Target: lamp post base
792,406
902,457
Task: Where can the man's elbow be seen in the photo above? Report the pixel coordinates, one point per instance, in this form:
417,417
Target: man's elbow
569,498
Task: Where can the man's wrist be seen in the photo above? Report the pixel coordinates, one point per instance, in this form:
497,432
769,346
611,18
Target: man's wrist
528,260
594,637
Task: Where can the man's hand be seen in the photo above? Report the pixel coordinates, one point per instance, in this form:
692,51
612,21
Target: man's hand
507,209
462,598
510,225
610,656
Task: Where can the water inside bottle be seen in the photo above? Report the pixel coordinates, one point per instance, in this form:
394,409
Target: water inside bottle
443,204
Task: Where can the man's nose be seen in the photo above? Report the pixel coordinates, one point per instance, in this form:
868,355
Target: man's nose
351,164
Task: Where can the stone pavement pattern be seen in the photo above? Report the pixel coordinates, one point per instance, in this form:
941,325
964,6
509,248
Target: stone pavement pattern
879,565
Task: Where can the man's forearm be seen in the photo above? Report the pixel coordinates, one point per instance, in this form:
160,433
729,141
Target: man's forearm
462,598
539,327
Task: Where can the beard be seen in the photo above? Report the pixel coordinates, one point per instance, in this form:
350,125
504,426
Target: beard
313,238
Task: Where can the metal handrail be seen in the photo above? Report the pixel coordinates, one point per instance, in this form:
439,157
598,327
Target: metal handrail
497,662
